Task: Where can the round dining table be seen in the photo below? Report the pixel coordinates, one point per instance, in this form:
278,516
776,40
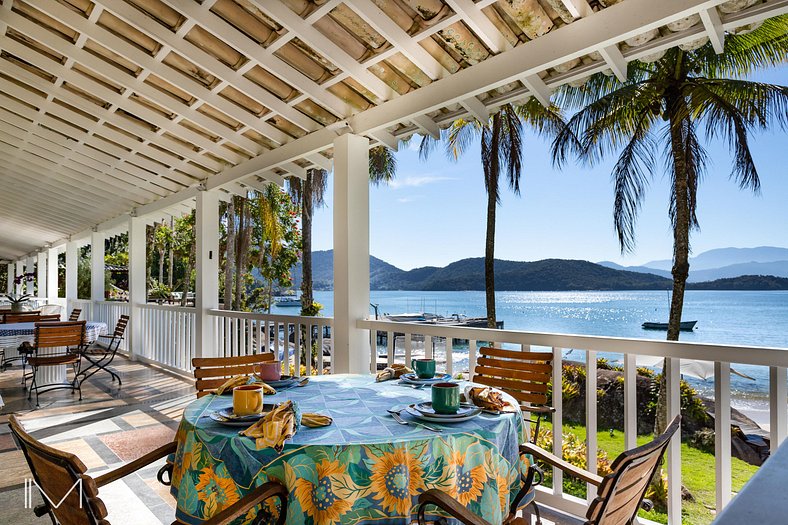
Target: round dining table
14,334
364,468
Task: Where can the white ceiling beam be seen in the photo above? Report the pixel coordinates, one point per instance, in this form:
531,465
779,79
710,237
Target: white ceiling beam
538,89
314,38
206,61
476,108
427,126
385,138
578,8
262,57
713,24
613,57
149,63
321,161
401,40
294,169
472,15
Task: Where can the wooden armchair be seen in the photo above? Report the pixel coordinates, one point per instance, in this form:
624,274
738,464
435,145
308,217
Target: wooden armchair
523,375
70,336
75,313
212,372
619,494
57,474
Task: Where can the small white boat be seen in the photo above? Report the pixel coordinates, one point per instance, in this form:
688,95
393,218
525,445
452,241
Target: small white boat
685,326
287,301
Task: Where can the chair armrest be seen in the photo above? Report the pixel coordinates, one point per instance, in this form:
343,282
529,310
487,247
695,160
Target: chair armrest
538,410
547,457
445,502
137,464
107,336
254,498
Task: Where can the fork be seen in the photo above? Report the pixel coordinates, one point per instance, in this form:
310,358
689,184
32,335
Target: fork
398,418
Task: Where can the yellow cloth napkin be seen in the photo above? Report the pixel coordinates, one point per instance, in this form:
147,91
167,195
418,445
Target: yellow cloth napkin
281,424
242,380
490,399
394,371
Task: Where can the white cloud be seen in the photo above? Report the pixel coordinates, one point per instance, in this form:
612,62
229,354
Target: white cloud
417,181
412,198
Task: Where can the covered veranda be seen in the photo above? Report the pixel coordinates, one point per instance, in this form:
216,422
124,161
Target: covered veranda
117,113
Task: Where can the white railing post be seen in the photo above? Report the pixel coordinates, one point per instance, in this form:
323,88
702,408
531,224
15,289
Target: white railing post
558,417
207,288
351,253
722,432
672,377
137,285
41,274
97,267
591,421
9,287
52,273
72,255
777,406
630,402
30,287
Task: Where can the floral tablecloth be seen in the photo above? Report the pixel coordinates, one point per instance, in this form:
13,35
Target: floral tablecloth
14,334
363,469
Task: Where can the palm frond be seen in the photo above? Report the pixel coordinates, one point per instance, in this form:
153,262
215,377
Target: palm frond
460,135
690,152
382,165
427,145
511,147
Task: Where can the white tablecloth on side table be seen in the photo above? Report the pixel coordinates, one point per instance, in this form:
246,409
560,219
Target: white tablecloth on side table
14,334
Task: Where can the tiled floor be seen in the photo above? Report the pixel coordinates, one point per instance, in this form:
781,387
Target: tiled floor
108,427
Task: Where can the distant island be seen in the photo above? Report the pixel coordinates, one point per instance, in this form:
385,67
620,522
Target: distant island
544,275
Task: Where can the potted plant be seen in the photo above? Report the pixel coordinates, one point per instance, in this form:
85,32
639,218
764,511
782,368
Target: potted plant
18,302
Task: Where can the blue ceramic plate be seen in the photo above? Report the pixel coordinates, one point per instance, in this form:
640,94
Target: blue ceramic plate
413,379
425,408
284,382
225,416
437,418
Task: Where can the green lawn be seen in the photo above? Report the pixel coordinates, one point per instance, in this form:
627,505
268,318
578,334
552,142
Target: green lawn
697,472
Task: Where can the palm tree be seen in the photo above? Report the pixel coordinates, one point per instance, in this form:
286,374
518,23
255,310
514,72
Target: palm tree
664,105
309,194
501,151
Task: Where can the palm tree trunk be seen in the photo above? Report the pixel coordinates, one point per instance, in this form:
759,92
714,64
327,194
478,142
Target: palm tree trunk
680,268
161,265
489,258
239,251
171,255
306,244
229,260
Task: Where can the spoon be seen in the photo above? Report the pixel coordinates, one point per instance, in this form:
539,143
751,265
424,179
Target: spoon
398,418
303,382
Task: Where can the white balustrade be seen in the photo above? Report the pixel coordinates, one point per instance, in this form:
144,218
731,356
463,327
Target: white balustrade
450,344
109,312
168,336
245,333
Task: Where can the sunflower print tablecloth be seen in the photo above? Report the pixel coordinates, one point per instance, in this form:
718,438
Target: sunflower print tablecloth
363,469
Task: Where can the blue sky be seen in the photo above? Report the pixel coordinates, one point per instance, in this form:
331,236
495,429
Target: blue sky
434,213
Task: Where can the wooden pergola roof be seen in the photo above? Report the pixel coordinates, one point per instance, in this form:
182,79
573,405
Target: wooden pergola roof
110,107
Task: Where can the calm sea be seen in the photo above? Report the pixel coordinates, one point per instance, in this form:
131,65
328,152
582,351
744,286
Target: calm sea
743,318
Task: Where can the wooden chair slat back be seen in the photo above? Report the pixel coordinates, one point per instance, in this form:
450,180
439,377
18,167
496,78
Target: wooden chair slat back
211,372
120,326
22,317
53,335
621,492
75,313
56,473
523,375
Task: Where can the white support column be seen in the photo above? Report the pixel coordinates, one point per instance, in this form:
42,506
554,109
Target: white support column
722,431
207,281
137,285
97,266
41,275
72,254
672,377
9,288
19,270
30,285
351,254
52,273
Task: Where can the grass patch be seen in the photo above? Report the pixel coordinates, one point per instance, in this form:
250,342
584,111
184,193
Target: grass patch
697,473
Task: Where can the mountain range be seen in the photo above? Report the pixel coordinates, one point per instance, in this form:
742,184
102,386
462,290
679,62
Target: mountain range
721,263
544,275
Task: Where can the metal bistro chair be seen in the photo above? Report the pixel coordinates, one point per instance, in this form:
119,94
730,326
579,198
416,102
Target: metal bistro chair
74,315
67,335
620,494
100,354
58,475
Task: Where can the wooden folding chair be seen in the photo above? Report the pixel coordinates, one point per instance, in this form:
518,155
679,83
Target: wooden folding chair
75,313
100,354
620,494
57,473
211,372
523,375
